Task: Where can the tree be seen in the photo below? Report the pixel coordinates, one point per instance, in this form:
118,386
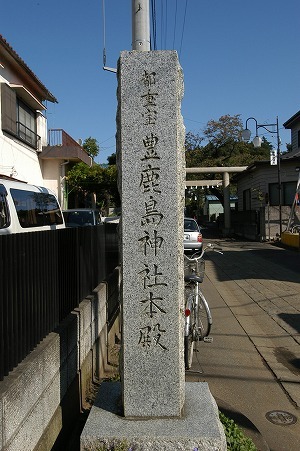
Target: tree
112,159
224,147
91,147
83,180
227,128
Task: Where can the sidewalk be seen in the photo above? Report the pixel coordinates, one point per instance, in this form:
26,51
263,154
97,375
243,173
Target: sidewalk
253,364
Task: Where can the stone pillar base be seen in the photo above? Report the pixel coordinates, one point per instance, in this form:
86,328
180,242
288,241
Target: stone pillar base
199,428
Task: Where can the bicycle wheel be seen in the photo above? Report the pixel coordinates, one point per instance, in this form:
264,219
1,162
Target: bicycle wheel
204,320
190,331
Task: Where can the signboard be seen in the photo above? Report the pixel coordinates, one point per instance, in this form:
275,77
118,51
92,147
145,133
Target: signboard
273,157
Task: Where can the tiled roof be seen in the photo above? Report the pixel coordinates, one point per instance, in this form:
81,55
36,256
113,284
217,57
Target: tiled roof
47,94
291,155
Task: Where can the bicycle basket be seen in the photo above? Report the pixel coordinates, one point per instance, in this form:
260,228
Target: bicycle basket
196,267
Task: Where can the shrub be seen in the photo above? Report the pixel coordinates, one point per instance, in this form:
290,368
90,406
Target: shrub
236,440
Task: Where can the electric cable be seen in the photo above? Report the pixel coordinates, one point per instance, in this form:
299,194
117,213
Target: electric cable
166,24
175,22
183,27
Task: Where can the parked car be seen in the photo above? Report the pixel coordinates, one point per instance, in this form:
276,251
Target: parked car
192,235
81,217
111,219
28,208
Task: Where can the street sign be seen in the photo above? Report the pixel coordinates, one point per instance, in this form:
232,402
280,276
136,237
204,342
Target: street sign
273,157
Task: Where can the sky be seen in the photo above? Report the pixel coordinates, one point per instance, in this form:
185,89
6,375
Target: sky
238,57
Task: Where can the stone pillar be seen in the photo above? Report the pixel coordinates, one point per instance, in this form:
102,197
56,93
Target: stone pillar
151,170
226,194
150,158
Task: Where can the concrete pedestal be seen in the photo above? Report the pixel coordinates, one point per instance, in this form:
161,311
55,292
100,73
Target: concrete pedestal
199,427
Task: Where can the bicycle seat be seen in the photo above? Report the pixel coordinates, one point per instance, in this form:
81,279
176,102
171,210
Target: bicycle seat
193,278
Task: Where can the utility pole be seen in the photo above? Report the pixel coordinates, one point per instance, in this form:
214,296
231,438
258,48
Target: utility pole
279,178
140,25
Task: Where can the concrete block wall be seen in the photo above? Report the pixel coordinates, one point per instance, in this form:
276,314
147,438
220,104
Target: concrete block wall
49,387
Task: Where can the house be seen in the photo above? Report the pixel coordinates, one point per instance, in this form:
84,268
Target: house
25,151
60,153
23,131
260,215
293,124
213,208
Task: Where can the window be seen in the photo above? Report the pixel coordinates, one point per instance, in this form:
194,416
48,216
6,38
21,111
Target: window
26,123
36,209
247,199
4,211
288,190
298,143
18,118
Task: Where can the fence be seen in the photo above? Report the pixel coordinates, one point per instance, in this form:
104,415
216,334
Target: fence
43,277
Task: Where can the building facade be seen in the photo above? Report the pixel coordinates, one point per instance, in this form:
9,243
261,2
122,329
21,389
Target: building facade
28,152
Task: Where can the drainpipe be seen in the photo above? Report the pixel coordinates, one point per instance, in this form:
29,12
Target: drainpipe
63,196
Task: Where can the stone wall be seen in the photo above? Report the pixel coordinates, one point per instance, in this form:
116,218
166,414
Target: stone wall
46,392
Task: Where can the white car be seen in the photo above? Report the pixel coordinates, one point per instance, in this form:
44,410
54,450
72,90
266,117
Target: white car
28,208
192,235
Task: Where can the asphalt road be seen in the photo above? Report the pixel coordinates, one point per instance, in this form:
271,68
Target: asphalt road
253,364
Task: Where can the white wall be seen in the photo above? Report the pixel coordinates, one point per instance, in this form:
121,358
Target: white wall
19,160
53,173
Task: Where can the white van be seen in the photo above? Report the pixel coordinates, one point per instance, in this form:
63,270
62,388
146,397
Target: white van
28,208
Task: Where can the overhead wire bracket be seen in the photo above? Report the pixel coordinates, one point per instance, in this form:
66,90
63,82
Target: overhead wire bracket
109,69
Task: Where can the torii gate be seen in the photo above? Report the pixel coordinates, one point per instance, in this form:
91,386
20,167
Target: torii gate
225,171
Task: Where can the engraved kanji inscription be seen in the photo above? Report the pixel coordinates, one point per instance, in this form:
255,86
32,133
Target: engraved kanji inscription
150,116
152,216
152,277
152,305
151,336
149,99
149,103
150,179
151,242
149,78
150,142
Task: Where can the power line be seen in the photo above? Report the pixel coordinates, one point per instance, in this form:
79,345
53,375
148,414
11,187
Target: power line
175,25
166,24
107,139
183,27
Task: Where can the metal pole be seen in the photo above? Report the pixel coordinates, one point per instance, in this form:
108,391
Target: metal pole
140,25
279,179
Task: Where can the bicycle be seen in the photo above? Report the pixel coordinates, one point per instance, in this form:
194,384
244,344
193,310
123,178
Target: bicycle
295,228
198,319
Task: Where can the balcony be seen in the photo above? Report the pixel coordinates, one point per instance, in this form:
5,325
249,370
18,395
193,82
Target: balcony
27,135
62,146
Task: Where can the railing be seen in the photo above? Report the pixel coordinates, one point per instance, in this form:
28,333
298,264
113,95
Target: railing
58,137
43,277
27,135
